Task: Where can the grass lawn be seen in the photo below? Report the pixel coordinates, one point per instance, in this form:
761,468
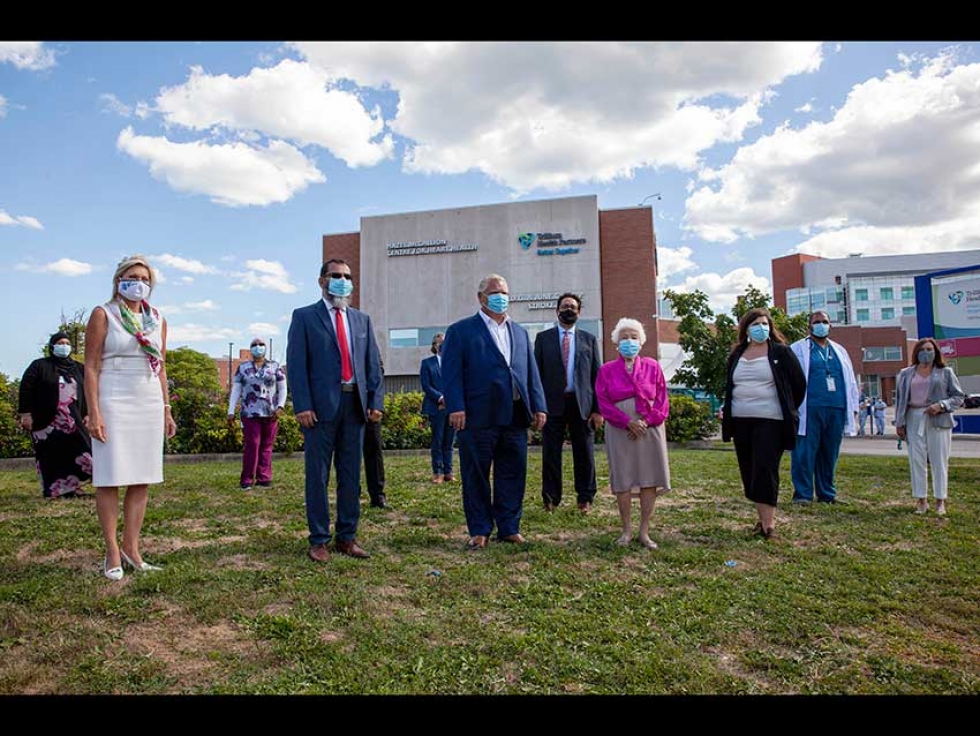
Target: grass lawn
862,598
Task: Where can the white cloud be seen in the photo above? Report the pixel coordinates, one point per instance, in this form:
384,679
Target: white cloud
262,274
205,306
23,220
895,168
32,55
232,174
3,106
168,309
723,290
548,114
62,267
292,100
158,275
187,279
190,265
806,107
263,329
111,103
672,261
192,332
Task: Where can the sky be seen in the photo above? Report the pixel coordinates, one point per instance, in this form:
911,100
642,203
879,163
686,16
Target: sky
225,162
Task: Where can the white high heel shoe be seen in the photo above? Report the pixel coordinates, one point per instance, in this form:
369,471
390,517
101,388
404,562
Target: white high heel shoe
142,567
113,573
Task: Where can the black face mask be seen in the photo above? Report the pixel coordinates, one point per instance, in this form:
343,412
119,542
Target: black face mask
568,316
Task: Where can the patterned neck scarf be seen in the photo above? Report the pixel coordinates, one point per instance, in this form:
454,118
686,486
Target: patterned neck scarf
140,328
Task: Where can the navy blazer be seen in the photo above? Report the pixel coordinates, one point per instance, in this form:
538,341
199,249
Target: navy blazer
313,361
547,354
476,378
431,377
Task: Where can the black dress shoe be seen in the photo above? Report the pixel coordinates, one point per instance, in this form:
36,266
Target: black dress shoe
380,503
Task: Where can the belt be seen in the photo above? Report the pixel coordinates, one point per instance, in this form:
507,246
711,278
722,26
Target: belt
348,388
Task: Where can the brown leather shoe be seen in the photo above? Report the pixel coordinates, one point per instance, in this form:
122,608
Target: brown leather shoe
449,478
437,479
514,539
477,542
351,548
318,553
584,506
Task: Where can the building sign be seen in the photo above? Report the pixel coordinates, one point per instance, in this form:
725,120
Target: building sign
536,301
550,244
956,306
427,248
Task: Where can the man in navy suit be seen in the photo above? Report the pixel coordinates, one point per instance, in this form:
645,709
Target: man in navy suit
568,360
493,394
434,407
335,376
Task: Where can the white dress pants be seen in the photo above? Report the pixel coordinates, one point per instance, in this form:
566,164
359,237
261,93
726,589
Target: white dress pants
927,442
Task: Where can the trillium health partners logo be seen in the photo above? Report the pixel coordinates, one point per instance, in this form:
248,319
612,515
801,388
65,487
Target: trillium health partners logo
526,239
956,297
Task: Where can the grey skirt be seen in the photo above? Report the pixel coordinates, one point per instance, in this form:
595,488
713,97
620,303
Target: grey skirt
636,464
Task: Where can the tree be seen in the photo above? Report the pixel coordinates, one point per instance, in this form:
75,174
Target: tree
198,404
13,441
708,338
74,327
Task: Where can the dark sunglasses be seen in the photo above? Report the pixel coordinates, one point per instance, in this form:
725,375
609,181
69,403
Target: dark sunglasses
338,275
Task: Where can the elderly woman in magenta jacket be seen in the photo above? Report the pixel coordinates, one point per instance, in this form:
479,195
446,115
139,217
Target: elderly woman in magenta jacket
632,397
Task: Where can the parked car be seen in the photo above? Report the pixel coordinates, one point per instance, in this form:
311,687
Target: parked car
972,401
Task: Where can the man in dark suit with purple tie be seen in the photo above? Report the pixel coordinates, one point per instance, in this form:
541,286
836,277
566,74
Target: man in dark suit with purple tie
568,360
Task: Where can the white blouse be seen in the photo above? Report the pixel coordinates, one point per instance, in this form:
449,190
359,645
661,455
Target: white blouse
754,394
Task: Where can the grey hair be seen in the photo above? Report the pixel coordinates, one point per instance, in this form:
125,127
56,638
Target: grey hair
127,263
487,279
628,323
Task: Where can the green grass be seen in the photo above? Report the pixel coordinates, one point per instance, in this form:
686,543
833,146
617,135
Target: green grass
862,598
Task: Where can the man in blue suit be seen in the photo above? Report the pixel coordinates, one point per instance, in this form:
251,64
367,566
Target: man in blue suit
434,407
493,394
335,376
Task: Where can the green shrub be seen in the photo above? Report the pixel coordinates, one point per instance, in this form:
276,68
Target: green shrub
403,426
689,420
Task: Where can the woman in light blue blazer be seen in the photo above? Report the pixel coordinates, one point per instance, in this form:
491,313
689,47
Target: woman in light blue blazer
926,394
434,407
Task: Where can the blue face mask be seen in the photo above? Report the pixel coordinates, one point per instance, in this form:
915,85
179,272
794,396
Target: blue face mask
926,357
61,351
628,347
759,333
497,303
258,351
820,329
341,287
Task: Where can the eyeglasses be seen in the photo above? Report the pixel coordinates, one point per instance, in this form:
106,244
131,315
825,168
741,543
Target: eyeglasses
339,275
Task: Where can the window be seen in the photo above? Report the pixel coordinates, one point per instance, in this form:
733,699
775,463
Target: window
886,293
908,292
408,338
860,295
875,354
863,315
908,311
887,312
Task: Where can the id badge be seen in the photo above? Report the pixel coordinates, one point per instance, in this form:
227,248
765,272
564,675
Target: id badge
831,386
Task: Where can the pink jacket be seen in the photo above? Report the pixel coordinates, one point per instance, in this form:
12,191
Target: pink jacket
646,383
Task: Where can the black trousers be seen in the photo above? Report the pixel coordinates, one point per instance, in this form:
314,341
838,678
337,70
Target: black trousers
374,460
583,454
759,449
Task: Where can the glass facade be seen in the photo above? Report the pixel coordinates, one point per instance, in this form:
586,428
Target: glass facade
882,353
887,314
863,315
876,295
886,294
807,300
908,292
908,311
861,295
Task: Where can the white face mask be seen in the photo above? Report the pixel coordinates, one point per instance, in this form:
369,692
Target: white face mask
61,351
134,290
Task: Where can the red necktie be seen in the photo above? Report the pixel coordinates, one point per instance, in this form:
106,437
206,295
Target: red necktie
564,350
346,371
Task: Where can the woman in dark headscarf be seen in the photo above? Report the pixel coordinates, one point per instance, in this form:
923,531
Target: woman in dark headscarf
52,408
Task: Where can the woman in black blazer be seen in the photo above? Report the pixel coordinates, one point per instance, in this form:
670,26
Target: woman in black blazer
52,408
765,386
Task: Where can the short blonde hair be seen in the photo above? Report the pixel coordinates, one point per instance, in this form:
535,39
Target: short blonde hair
127,263
628,323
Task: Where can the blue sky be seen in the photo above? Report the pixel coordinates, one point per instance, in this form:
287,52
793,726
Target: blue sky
225,162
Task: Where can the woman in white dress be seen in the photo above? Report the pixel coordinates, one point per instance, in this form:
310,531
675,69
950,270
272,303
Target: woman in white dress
129,408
